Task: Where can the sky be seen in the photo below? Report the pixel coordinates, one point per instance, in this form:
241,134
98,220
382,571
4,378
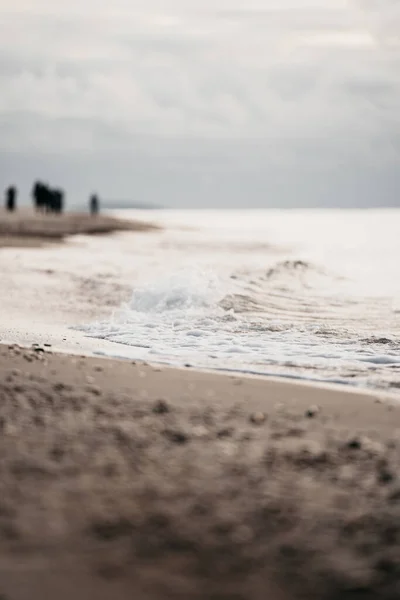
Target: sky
203,103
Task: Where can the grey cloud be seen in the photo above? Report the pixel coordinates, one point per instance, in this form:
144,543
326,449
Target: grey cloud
295,97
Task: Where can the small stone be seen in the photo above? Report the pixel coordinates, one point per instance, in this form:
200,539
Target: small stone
28,357
373,447
188,365
90,379
59,386
161,407
38,349
257,418
199,431
98,368
385,476
226,432
354,443
176,436
16,372
95,390
312,411
47,345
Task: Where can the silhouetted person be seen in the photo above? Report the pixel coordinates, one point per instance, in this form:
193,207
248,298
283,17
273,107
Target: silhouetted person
47,199
11,198
94,205
57,201
40,196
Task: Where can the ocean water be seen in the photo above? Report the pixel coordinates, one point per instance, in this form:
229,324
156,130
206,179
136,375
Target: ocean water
310,294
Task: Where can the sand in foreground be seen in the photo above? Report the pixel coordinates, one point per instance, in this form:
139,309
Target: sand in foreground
126,481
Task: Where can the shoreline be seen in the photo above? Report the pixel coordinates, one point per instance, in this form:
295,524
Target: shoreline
295,394
87,352
121,479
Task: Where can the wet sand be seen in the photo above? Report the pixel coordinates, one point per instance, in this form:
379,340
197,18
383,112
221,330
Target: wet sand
122,480
30,229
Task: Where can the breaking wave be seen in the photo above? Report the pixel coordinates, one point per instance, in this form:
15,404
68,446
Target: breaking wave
253,322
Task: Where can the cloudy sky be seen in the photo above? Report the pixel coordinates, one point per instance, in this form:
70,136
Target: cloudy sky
203,102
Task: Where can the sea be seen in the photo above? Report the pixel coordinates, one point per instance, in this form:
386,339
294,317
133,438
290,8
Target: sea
302,294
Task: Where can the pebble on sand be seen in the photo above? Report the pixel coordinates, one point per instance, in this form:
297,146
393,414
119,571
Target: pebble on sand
354,443
161,407
258,418
312,411
226,432
176,436
94,389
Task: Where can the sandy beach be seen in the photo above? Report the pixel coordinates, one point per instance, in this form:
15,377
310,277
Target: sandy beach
125,480
26,228
200,300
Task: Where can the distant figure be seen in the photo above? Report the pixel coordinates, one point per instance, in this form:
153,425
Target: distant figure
11,198
40,196
57,201
46,199
94,205
60,201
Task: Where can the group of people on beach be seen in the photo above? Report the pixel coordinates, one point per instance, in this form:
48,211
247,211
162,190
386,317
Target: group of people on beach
45,199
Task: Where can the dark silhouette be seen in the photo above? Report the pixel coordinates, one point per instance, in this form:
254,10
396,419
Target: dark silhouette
94,205
57,197
46,199
11,198
39,196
